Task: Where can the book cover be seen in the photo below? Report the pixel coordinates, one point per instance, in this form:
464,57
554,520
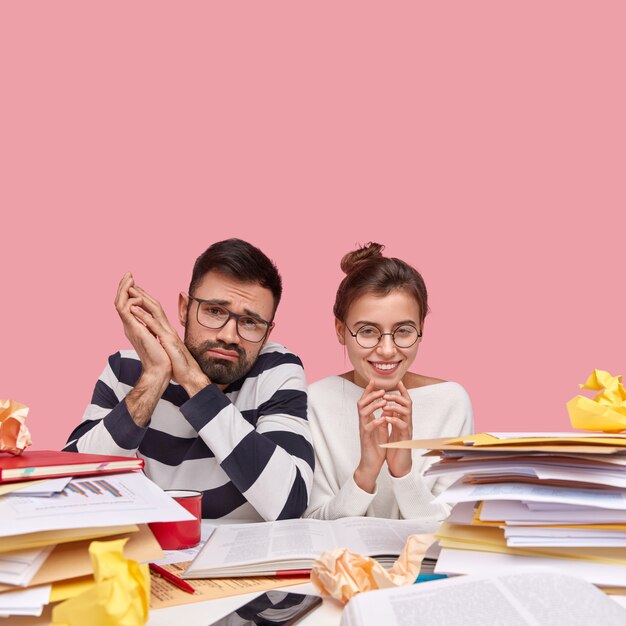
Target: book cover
53,463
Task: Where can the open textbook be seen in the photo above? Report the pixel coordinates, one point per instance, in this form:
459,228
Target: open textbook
274,548
534,598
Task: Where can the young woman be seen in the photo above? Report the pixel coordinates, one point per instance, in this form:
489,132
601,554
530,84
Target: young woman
379,317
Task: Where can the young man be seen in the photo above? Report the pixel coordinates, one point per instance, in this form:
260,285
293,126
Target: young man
223,412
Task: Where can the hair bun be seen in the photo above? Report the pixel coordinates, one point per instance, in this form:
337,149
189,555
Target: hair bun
361,255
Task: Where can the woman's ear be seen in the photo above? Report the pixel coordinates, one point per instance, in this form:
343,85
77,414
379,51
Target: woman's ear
340,328
183,306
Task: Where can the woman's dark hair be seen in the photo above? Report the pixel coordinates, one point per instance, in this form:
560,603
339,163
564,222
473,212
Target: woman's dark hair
240,260
368,271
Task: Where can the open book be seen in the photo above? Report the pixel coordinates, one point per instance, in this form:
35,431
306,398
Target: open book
273,548
537,598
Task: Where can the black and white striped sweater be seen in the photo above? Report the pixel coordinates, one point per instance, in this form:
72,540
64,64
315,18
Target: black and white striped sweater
247,448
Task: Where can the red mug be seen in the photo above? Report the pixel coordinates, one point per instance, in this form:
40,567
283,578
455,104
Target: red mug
180,535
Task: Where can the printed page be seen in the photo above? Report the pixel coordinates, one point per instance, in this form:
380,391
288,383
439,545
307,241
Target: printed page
534,598
263,542
373,536
91,502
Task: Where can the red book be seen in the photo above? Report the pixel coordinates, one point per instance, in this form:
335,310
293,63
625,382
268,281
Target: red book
52,464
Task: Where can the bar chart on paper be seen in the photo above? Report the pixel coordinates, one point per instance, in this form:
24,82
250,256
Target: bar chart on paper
89,488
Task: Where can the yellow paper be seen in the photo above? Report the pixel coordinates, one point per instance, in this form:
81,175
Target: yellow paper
64,589
485,539
119,596
164,594
485,439
341,574
14,436
46,537
607,410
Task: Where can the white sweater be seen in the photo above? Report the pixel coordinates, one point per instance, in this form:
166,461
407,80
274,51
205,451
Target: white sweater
439,410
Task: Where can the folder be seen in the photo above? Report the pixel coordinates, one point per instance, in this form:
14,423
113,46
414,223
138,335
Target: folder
47,537
71,560
52,464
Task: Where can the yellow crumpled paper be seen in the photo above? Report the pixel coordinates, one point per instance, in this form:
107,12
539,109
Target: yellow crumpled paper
606,411
14,436
119,597
341,574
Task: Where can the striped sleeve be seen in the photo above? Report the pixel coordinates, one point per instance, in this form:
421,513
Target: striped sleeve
263,443
107,427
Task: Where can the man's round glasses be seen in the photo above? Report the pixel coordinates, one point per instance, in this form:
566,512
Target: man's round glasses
369,336
250,328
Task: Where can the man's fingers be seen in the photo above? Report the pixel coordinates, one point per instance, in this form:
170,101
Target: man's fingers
122,290
151,305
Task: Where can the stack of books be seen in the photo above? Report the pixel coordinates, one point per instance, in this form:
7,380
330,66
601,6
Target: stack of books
52,505
523,500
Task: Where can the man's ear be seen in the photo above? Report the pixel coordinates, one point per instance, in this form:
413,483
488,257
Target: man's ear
340,328
183,306
269,332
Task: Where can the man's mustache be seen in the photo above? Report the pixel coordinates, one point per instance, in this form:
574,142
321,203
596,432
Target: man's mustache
209,345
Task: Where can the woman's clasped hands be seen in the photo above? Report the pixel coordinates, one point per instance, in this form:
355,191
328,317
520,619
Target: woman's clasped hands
393,424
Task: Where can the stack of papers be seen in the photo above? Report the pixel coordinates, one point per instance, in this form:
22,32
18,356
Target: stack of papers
46,527
533,499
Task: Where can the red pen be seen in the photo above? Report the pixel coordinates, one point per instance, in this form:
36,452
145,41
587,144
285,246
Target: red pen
172,578
294,573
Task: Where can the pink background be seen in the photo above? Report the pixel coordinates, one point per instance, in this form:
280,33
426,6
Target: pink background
484,142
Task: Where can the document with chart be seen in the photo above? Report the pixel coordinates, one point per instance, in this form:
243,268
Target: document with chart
129,498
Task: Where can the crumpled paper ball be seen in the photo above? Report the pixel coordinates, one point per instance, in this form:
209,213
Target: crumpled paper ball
606,412
341,574
14,436
119,597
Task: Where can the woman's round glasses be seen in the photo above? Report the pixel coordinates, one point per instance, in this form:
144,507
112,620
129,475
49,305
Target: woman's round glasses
369,336
250,328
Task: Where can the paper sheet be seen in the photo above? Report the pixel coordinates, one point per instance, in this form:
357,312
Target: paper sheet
472,562
25,601
43,488
512,512
164,594
12,487
483,539
44,538
463,492
129,498
19,568
72,560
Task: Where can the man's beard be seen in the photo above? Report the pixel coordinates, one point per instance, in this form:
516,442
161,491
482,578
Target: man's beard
220,371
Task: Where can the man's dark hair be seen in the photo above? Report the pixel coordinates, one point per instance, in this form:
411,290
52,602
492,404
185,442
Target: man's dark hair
240,260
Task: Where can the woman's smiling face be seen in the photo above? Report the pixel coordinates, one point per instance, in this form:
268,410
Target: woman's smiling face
385,363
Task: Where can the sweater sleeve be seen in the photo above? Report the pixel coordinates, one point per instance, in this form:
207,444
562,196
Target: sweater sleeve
107,427
330,500
270,462
415,492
